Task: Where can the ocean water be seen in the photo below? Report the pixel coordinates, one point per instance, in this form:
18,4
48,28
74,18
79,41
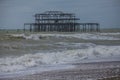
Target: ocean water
85,36
20,51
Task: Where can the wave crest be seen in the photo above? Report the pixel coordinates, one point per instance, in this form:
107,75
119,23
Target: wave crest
92,51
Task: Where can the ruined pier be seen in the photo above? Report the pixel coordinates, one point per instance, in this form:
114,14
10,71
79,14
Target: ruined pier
50,21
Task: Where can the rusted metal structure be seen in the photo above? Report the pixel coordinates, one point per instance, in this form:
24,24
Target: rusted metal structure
59,21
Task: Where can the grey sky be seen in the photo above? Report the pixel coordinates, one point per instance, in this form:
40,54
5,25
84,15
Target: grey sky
14,13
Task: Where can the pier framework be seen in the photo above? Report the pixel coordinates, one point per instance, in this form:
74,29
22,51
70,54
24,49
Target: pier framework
60,22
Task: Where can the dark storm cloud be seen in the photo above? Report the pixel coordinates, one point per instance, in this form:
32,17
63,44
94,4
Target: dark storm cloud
14,13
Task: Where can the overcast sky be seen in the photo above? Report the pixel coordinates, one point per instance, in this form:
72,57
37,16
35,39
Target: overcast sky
14,13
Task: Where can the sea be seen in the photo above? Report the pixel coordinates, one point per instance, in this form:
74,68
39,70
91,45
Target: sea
29,53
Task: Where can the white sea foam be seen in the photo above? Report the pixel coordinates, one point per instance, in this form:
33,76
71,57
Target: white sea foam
92,51
85,36
32,36
118,33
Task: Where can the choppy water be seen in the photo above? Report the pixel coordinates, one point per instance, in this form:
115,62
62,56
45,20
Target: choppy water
20,51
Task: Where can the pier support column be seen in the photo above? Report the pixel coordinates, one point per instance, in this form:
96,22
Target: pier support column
24,28
30,28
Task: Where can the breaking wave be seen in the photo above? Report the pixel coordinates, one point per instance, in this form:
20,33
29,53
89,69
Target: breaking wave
92,51
85,36
118,33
